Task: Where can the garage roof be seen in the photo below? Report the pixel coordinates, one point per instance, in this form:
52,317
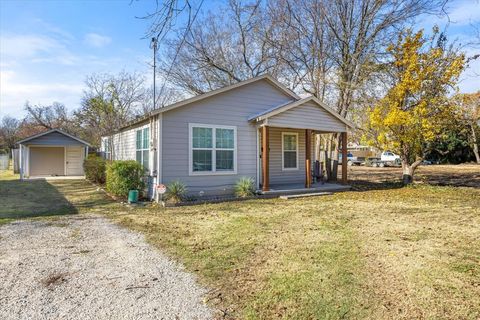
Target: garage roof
53,131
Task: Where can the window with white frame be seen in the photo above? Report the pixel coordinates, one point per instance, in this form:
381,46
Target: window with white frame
107,152
143,147
289,150
212,149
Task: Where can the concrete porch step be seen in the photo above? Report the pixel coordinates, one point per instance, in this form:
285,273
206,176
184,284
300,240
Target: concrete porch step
300,189
304,195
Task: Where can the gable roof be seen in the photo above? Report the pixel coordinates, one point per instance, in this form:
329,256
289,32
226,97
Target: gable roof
200,97
50,131
206,95
284,107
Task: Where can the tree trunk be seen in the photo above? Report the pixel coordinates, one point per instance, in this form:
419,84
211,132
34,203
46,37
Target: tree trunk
475,145
409,170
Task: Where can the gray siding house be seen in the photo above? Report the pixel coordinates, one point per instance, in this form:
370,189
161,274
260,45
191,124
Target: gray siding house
256,128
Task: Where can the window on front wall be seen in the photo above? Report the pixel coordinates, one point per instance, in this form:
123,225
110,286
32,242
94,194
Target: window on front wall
212,149
289,151
143,147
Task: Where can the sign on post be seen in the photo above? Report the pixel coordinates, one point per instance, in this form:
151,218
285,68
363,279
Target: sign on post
161,189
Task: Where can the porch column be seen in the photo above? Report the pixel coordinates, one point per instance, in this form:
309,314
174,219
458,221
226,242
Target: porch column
265,159
308,158
344,157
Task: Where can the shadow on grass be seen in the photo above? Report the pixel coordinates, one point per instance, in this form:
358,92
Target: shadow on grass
364,185
35,198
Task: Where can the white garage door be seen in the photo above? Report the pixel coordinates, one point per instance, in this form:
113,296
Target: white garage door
75,161
47,161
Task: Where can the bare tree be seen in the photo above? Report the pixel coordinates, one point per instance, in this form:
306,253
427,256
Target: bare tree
9,129
468,116
303,44
336,47
109,102
223,49
54,116
126,90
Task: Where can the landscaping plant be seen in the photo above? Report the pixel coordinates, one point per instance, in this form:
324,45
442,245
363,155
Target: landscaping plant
176,192
95,167
123,176
245,187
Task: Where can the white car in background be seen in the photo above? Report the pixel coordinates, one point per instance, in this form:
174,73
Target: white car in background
388,156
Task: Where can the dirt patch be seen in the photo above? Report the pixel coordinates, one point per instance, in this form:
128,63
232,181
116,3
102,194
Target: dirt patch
54,279
367,178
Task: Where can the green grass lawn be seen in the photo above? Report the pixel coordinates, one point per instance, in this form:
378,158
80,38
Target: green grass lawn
389,253
386,254
41,198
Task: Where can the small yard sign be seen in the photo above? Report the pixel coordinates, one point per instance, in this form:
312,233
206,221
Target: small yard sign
161,188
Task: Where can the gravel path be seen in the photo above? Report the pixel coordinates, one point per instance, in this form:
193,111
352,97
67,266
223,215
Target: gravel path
86,267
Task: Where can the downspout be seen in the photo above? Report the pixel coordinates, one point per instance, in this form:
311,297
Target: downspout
20,158
151,155
159,151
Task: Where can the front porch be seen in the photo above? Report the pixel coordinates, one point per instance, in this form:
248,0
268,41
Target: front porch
286,157
303,173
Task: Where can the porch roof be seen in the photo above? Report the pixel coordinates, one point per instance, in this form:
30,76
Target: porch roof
308,113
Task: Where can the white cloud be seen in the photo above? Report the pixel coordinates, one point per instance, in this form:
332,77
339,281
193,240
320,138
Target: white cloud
96,40
35,47
15,90
465,12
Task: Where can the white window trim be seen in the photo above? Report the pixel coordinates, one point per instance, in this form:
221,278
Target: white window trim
214,154
143,149
283,151
105,147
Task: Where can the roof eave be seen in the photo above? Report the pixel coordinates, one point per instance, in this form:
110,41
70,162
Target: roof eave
294,104
38,135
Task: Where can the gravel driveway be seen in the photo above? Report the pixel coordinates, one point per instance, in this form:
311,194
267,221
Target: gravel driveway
86,267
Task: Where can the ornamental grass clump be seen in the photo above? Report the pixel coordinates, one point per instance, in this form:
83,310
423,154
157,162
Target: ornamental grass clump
245,187
176,192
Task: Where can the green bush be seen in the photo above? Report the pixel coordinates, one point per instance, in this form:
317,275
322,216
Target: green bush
176,192
245,187
94,167
123,176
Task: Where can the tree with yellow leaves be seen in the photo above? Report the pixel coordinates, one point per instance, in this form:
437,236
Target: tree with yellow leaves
416,107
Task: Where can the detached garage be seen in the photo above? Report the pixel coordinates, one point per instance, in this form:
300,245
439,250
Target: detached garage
51,154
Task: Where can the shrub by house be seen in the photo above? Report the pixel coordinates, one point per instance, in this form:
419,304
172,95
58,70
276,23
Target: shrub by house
95,167
123,176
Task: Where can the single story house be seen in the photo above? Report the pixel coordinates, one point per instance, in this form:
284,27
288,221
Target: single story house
256,128
52,153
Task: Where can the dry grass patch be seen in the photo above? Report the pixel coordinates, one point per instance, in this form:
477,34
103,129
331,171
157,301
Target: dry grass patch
396,253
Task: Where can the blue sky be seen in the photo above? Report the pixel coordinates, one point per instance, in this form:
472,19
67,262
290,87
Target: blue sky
47,48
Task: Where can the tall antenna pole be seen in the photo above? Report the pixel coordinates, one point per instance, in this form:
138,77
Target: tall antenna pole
154,46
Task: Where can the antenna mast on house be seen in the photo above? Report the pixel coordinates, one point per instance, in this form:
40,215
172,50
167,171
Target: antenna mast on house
153,45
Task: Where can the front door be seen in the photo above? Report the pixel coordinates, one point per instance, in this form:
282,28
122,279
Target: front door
74,161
